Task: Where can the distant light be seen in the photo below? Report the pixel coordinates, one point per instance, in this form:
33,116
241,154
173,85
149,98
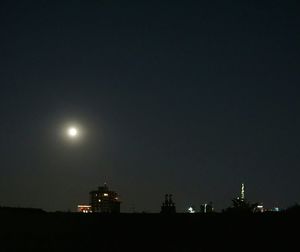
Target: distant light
105,194
99,200
84,208
191,210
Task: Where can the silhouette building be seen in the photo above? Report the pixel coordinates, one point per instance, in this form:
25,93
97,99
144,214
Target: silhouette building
168,206
206,208
104,201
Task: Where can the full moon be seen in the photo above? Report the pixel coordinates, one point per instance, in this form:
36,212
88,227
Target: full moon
72,132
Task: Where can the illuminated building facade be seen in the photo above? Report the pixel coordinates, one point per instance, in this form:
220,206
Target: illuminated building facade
242,192
104,201
84,208
259,208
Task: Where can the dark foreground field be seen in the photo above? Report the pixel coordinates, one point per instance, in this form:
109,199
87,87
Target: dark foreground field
38,231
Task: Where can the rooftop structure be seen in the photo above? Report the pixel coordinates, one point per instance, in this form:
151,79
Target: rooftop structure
168,205
104,201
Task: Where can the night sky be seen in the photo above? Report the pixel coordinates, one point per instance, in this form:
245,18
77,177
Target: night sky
184,97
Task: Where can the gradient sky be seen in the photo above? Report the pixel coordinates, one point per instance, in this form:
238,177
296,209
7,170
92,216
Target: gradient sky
173,97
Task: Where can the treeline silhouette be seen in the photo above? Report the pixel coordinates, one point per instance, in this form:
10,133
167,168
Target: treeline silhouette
238,207
25,229
23,210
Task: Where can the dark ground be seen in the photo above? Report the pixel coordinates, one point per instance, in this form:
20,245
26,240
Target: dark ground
40,231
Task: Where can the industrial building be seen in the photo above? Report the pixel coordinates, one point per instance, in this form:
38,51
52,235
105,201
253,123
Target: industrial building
168,206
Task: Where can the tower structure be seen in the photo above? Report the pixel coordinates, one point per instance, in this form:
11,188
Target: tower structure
168,205
242,192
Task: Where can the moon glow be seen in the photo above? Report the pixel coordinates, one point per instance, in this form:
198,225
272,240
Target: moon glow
72,132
